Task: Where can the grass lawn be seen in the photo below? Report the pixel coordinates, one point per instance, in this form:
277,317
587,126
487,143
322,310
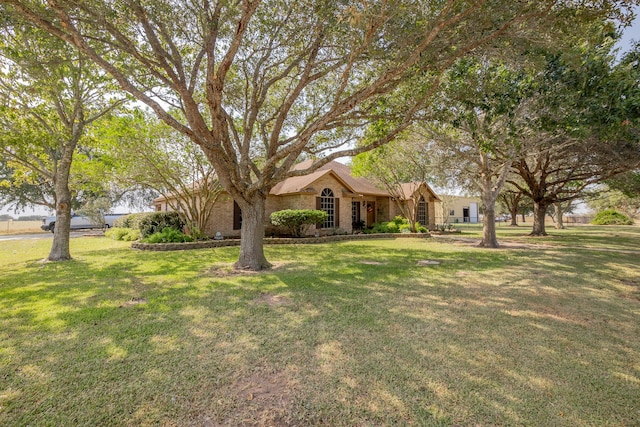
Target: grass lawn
350,333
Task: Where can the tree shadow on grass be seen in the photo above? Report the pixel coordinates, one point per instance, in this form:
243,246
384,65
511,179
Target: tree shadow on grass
520,337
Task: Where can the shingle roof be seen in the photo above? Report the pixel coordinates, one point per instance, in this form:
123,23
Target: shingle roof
408,189
343,172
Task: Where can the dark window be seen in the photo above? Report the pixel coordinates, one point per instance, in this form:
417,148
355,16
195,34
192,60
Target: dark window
422,212
355,213
328,204
237,216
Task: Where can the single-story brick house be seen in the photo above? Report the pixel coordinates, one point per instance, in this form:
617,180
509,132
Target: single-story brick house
347,199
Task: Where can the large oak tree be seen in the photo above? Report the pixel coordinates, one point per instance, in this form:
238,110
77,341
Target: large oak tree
588,128
259,83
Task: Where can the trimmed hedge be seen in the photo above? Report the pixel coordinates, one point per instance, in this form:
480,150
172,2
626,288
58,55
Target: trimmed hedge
611,217
296,221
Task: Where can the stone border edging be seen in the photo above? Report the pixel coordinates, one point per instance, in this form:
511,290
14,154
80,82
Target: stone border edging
271,241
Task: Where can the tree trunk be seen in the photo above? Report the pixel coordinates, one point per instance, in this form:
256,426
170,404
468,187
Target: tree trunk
514,218
252,235
60,247
559,214
539,216
489,239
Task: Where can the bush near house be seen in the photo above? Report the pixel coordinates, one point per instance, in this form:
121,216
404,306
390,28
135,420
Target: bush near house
297,221
399,224
132,220
611,217
158,221
125,234
168,235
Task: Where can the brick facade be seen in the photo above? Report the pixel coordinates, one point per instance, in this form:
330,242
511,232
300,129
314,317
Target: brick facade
374,205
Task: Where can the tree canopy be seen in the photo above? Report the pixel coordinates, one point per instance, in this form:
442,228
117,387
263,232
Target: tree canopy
51,94
260,83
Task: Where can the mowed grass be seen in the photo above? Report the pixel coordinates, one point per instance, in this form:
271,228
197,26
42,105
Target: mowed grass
574,236
351,333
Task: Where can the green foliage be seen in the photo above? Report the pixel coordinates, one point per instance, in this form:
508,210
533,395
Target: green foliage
399,220
392,227
405,228
611,217
628,184
168,235
296,221
399,224
132,220
156,222
125,234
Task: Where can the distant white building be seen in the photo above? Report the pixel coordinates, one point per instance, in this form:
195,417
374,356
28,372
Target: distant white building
457,209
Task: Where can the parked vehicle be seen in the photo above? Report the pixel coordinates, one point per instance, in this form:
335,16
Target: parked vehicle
80,222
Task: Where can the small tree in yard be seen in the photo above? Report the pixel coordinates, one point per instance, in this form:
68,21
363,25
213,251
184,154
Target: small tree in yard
52,95
298,221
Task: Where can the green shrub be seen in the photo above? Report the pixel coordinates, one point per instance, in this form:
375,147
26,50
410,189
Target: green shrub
399,220
125,234
398,225
168,235
611,217
376,228
405,228
158,221
132,235
392,227
116,233
132,220
297,221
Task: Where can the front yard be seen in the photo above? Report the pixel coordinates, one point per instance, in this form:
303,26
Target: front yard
349,333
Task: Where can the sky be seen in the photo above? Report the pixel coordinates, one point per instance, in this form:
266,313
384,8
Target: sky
630,34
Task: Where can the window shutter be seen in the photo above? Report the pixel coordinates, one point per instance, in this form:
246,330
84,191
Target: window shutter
318,207
337,212
237,216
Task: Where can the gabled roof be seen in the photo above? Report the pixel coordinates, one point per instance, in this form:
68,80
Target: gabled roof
407,190
298,184
302,184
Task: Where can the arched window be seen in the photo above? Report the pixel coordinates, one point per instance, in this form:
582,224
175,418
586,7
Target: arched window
422,212
328,204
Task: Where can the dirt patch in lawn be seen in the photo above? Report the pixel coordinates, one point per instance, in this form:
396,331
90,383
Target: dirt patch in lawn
273,300
370,262
424,262
133,302
264,399
227,270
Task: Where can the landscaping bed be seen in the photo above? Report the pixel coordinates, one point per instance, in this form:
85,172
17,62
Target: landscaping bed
272,241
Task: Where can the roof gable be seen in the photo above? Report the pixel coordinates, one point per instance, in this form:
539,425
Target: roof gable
340,171
407,190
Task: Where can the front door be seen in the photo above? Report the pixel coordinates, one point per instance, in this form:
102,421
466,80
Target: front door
371,213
